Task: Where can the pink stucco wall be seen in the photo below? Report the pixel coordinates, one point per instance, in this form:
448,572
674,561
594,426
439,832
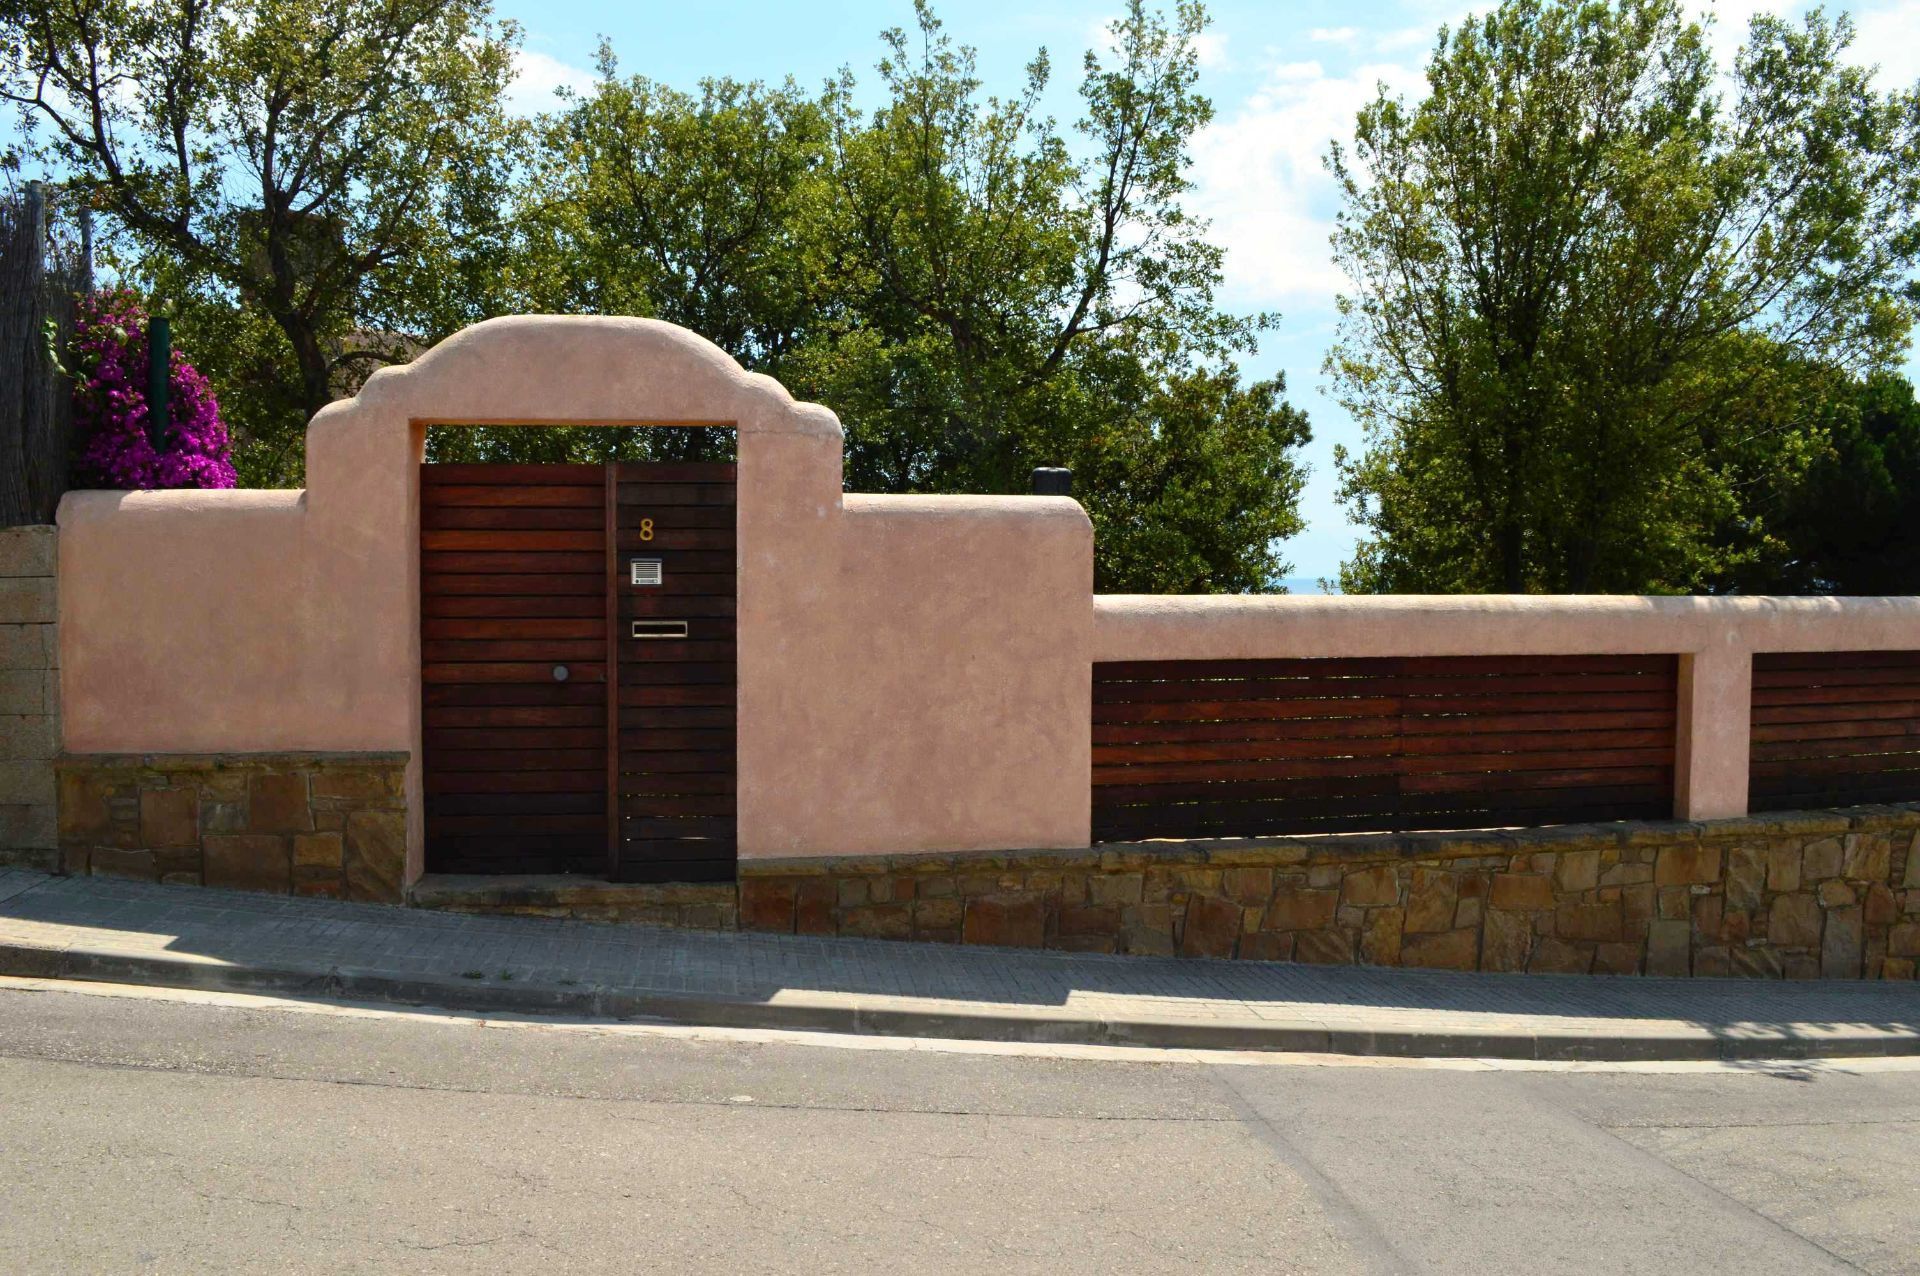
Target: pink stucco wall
913,671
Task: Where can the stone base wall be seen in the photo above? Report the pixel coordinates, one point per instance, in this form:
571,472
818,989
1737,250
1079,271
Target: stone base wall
29,696
688,906
291,823
1833,894
1826,894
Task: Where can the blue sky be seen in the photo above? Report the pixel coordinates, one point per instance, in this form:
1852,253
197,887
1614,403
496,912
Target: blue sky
1285,78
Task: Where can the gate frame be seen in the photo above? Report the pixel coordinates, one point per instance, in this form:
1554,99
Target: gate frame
831,662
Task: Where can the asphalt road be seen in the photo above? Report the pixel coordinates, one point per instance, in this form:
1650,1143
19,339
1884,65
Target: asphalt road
174,1134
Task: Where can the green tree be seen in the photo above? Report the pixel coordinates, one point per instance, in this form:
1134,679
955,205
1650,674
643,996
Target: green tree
309,181
971,294
1560,260
1838,516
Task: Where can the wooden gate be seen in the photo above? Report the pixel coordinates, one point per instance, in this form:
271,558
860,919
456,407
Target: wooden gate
672,591
578,716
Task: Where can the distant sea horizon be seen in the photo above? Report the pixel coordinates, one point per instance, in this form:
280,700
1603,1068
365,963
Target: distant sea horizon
1308,585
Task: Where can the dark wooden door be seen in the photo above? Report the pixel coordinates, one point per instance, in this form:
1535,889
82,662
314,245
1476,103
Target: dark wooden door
514,626
673,773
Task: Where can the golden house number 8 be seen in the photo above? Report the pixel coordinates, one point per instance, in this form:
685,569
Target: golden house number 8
646,529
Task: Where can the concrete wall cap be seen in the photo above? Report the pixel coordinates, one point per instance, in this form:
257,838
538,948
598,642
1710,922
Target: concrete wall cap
996,508
87,506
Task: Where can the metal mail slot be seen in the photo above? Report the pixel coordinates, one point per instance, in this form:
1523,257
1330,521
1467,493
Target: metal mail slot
659,629
643,571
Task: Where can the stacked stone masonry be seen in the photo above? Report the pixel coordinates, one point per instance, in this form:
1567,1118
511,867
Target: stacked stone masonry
29,696
1800,896
331,825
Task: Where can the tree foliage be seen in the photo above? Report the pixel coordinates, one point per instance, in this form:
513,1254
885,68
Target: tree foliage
971,293
1573,266
300,177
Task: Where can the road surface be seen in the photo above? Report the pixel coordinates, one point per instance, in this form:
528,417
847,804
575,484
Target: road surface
169,1132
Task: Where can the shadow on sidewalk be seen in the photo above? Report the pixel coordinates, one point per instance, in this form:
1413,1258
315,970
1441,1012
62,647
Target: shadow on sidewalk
270,932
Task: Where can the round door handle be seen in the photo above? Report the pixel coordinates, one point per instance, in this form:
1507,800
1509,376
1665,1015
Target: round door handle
560,673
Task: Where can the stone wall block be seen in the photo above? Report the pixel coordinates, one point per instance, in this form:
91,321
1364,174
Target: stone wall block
29,737
376,855
113,861
320,851
1251,886
1821,859
767,904
279,803
1328,947
1008,920
1596,922
249,861
1576,871
1783,868
1507,942
1746,878
1371,887
1840,946
813,907
1669,948
1553,956
27,782
1453,950
1382,936
1616,959
1211,927
1866,857
1433,896
1521,892
170,819
1794,921
29,551
1296,909
28,600
1687,864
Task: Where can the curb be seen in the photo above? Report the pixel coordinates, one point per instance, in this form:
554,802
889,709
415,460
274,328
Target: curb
901,1017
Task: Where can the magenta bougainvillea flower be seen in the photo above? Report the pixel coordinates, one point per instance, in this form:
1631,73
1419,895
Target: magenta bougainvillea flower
110,407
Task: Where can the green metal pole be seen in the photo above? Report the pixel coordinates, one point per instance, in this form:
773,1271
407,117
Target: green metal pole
159,376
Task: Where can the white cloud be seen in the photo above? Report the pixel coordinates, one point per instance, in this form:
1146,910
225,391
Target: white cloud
1260,177
1889,36
536,77
1210,47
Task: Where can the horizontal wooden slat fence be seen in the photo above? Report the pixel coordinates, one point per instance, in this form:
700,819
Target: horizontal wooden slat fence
1247,747
1832,728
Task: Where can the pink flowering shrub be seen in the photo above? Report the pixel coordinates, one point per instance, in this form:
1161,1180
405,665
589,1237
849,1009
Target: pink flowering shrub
110,407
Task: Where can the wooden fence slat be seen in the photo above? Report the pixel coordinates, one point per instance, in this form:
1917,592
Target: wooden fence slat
1441,742
1834,728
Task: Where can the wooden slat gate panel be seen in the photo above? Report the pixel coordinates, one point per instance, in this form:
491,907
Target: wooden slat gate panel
1248,747
513,588
1832,728
555,739
674,770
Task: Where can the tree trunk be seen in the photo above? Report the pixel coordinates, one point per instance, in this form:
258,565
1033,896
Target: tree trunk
34,412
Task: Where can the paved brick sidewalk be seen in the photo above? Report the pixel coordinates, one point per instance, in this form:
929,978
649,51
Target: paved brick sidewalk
93,928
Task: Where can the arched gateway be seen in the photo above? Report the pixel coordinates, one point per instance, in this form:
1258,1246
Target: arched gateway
912,673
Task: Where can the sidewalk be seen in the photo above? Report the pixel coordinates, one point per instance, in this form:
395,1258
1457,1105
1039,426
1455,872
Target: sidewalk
89,928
